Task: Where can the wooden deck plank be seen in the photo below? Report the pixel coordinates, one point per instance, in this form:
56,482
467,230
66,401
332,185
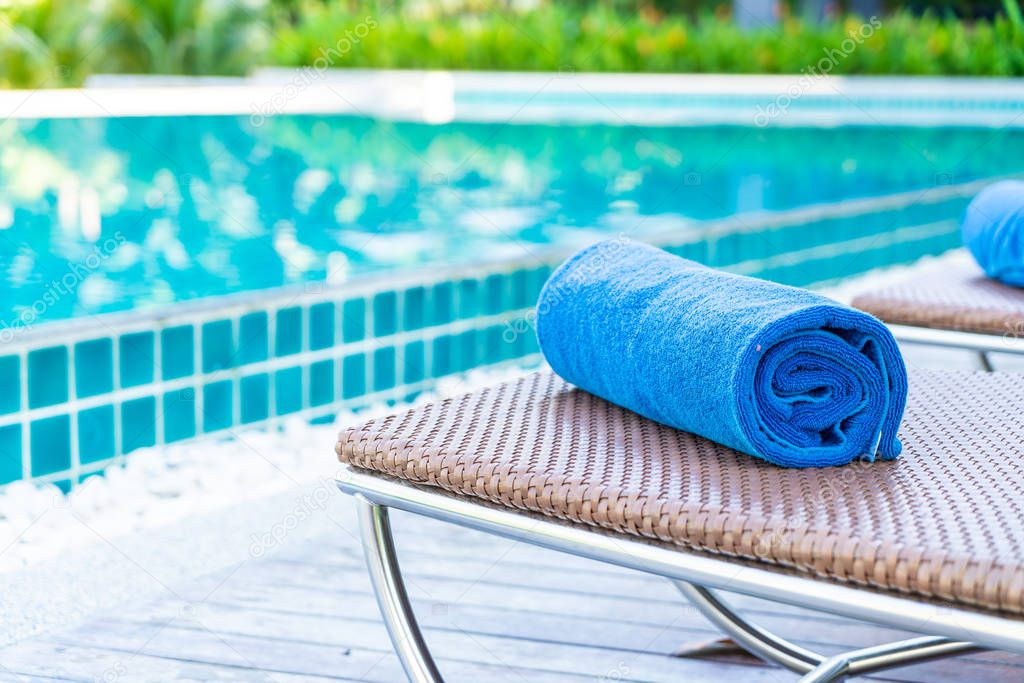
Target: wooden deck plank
38,659
183,652
444,585
346,590
299,645
422,571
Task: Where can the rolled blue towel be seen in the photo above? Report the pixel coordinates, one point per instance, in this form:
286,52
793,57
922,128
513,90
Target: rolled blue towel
777,372
993,231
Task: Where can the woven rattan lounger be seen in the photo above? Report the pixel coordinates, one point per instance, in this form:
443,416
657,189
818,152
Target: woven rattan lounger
931,543
958,307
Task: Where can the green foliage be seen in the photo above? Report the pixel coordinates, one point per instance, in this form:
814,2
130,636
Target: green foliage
554,38
1012,9
183,36
50,43
47,43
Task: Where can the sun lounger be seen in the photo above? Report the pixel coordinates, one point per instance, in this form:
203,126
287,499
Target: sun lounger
957,307
931,543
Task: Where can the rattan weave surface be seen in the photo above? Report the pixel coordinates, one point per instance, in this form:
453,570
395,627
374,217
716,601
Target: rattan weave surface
960,297
945,521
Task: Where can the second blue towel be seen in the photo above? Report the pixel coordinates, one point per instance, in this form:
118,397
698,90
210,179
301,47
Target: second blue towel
993,230
777,372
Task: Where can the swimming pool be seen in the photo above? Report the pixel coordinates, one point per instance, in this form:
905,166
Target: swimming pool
169,277
113,214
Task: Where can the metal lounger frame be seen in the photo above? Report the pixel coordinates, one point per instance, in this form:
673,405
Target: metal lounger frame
950,630
982,344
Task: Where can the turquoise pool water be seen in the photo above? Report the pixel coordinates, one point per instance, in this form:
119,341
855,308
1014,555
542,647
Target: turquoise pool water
114,214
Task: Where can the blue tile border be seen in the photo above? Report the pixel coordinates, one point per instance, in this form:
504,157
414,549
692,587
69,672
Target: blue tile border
254,398
10,384
137,358
96,439
50,449
10,454
177,347
179,415
94,367
47,376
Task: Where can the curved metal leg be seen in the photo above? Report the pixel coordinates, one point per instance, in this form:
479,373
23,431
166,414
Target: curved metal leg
888,656
832,669
986,363
755,639
817,668
382,563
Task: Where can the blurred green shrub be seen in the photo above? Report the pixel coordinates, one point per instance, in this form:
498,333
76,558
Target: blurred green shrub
554,38
223,37
51,43
48,43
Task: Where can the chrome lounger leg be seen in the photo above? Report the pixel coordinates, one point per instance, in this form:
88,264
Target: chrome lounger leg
816,667
747,635
887,656
986,364
382,563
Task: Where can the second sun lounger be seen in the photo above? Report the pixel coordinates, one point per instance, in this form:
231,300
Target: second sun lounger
931,543
958,307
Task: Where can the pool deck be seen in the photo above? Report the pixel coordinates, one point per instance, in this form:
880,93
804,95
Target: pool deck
492,609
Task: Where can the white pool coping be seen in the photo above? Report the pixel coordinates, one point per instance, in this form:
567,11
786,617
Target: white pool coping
438,97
